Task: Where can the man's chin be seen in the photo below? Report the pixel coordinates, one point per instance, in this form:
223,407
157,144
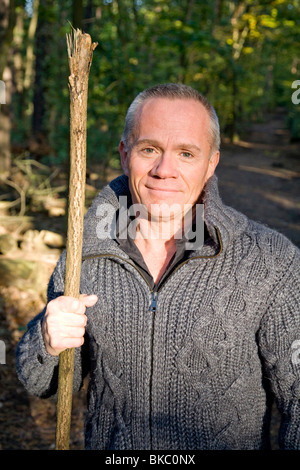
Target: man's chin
166,211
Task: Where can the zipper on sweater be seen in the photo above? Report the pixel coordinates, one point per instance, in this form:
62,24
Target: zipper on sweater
152,310
153,303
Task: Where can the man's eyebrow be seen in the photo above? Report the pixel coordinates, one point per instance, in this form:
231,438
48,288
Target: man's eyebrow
146,142
155,143
188,146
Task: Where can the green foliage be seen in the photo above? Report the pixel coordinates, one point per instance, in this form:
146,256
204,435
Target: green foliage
242,54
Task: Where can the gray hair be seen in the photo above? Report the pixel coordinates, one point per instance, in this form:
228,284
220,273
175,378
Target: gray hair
171,91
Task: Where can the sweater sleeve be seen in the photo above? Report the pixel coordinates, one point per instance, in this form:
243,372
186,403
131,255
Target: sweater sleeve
36,368
279,342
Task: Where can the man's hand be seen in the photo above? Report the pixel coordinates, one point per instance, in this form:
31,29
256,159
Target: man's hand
64,322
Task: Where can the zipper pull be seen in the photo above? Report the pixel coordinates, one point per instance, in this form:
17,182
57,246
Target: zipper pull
153,303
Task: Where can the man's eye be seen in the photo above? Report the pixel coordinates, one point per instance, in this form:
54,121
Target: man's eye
148,150
186,154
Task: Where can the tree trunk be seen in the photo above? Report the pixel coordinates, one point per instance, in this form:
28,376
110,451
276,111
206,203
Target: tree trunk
17,56
7,23
30,46
5,125
43,39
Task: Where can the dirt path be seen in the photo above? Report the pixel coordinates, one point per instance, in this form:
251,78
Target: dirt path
259,177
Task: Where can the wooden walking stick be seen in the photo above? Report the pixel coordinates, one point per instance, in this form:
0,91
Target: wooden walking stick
80,52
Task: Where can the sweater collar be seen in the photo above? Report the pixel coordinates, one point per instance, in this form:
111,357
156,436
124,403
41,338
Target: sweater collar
219,217
222,222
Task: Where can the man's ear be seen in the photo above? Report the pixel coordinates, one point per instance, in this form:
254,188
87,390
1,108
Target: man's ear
123,157
213,162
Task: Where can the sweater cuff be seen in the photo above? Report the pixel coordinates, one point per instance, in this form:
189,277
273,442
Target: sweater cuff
41,353
32,346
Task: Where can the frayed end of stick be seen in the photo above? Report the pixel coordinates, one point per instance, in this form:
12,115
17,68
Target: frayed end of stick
72,40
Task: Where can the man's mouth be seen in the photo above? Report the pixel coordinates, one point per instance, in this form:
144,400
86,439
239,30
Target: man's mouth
166,190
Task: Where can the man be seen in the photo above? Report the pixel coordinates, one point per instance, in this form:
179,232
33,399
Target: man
186,347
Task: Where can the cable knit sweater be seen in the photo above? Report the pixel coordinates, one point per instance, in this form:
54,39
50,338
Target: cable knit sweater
200,369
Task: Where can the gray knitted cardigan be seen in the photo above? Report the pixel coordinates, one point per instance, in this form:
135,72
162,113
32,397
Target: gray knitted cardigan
200,370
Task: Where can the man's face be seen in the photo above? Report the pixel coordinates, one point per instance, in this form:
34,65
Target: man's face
169,161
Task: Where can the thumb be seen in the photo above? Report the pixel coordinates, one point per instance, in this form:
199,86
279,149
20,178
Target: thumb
88,300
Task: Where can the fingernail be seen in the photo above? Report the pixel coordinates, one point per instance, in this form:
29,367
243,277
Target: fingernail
93,297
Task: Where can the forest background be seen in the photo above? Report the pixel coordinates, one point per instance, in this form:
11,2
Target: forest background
243,55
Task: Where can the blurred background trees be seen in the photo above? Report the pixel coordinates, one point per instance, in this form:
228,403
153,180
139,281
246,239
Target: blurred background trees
244,55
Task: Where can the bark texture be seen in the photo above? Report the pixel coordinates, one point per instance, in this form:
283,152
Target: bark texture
80,52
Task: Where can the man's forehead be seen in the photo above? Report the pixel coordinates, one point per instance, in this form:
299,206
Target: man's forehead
156,109
171,115
168,111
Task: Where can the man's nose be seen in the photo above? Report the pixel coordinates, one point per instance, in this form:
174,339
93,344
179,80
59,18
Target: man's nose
165,166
